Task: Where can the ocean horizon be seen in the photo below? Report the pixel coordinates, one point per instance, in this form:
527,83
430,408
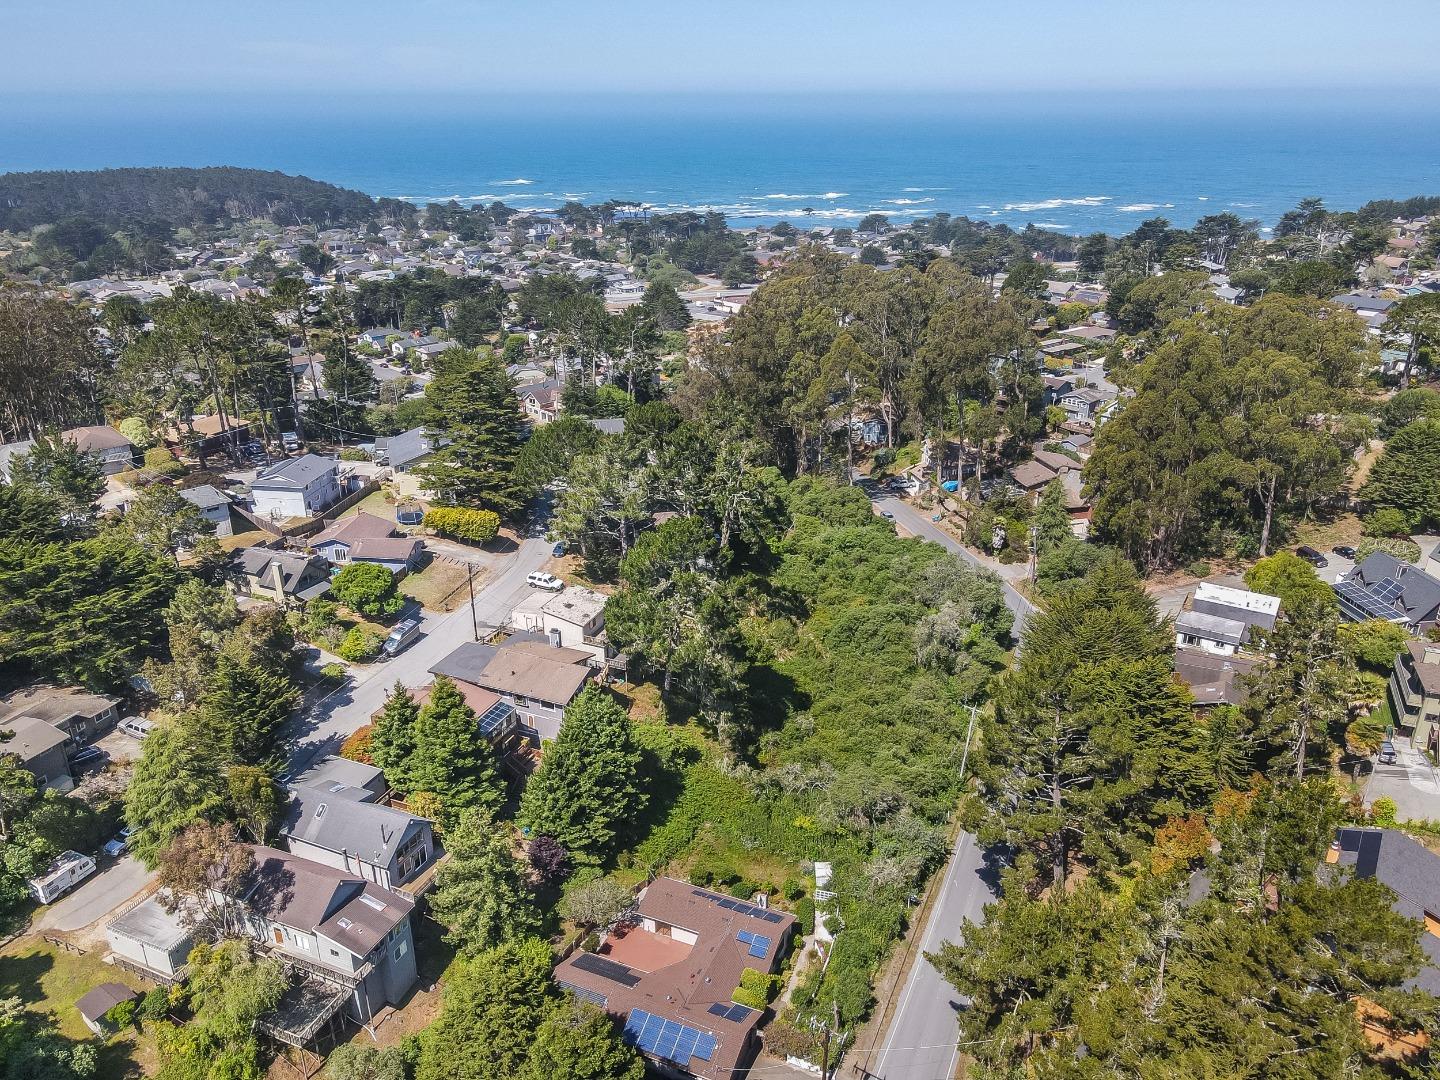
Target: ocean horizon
1104,164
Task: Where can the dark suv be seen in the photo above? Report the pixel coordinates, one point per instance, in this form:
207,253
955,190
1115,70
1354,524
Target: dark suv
1313,557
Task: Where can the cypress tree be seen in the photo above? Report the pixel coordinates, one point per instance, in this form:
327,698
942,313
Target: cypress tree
476,427
451,760
482,896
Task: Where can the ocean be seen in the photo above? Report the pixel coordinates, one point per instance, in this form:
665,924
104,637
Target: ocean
1073,165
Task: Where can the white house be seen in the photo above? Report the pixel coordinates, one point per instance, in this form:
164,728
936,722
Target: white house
1218,619
297,487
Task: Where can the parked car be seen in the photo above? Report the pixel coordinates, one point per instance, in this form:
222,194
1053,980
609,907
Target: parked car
1313,557
541,580
68,870
135,727
1387,753
90,755
401,634
887,515
1345,551
558,550
118,846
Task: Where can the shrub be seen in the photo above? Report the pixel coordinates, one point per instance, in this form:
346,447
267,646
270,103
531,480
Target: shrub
360,646
137,431
155,1005
351,453
159,458
357,746
1200,568
369,589
121,1015
477,526
1406,550
756,988
333,671
1384,810
1386,521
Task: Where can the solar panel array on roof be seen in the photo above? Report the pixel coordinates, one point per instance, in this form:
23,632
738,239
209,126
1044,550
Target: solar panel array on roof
494,717
1365,602
606,969
734,1013
739,906
667,1039
583,993
759,943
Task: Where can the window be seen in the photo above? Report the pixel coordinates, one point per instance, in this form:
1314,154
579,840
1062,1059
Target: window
401,948
522,702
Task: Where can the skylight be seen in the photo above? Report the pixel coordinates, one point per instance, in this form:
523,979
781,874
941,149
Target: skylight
370,901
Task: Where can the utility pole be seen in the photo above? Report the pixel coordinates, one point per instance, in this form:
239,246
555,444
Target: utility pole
969,731
474,618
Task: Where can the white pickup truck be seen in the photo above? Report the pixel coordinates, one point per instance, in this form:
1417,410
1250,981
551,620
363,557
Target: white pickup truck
68,870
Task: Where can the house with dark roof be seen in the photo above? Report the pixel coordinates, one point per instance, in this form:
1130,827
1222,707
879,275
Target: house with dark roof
332,823
541,400
41,749
669,974
282,577
330,925
1415,694
365,538
115,452
79,715
1384,587
1413,874
1213,679
1084,404
535,679
402,451
296,487
213,504
1220,619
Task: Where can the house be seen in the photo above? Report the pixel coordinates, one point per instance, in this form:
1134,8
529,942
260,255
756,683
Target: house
1415,694
336,825
42,751
669,976
1031,476
1412,872
1221,620
79,716
282,577
1059,464
1056,387
213,504
332,926
352,774
98,1002
608,425
1090,334
538,680
541,400
115,452
377,337
1213,678
1083,403
403,450
205,436
365,538
573,618
296,487
152,940
1384,587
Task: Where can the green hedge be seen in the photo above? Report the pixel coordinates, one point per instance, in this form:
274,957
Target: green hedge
477,526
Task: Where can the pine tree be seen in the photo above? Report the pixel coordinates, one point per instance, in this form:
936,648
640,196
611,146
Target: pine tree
451,760
177,781
578,1042
393,740
493,1006
482,896
587,789
1407,476
243,708
476,429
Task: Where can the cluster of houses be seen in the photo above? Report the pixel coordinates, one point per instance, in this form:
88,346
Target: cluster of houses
51,726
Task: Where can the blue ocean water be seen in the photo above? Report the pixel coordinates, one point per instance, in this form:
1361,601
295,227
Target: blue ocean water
1076,167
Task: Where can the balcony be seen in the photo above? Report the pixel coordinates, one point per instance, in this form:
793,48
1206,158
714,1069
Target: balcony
324,972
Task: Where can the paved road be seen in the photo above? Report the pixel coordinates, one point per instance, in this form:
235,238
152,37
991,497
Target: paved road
320,729
96,897
921,1043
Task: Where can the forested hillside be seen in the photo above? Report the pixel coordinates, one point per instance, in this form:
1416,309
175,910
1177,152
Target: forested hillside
176,197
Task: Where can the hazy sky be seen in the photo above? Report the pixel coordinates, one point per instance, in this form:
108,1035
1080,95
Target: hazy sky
103,47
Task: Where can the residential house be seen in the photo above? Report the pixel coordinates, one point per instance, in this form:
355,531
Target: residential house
115,452
670,974
402,451
1057,386
298,487
206,436
541,400
1213,678
1384,587
331,925
79,716
377,337
1091,334
213,504
352,774
1412,872
1083,404
537,679
1415,694
283,577
1031,477
572,619
337,825
365,538
152,940
608,425
42,751
1219,619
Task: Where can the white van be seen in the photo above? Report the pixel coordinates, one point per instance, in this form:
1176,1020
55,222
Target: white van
136,727
403,633
68,870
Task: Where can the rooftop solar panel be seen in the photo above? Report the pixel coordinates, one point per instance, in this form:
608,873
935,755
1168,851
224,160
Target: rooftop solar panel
606,969
668,1039
733,1013
494,717
583,993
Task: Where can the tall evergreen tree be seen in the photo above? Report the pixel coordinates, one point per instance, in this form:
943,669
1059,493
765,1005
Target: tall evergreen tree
482,895
1407,475
243,708
451,760
393,739
177,782
578,1042
587,789
476,428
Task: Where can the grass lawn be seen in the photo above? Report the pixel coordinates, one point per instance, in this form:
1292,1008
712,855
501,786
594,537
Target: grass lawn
51,980
438,587
1324,533
243,539
379,503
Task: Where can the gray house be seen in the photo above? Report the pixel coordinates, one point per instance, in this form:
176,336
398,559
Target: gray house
332,926
41,749
336,825
1412,872
537,679
1384,587
403,450
297,487
213,504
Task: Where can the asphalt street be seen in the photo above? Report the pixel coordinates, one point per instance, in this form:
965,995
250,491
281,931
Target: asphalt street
922,1040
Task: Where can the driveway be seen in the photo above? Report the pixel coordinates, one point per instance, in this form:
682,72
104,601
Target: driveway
96,897
1412,782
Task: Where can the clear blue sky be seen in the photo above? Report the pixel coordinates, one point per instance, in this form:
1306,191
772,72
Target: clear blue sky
109,47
